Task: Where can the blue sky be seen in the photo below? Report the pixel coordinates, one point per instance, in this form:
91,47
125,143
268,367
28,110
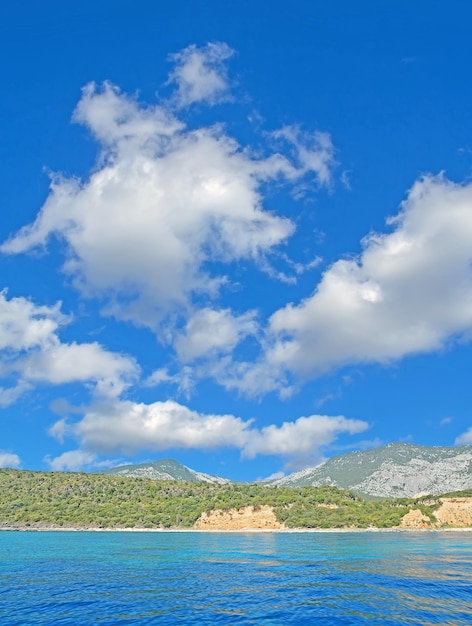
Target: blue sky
237,234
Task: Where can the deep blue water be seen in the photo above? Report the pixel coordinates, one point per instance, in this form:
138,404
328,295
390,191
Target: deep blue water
85,578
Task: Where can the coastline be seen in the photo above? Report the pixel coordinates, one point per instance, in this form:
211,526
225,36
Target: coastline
15,528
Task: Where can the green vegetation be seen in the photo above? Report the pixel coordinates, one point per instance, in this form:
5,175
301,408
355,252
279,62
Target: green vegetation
465,493
106,501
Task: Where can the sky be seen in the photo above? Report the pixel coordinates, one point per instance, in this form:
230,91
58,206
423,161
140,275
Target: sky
237,234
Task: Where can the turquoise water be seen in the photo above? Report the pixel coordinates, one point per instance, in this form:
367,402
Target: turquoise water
86,578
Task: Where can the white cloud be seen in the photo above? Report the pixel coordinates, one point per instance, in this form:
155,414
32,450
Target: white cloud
128,427
71,461
465,439
158,377
314,152
59,429
10,395
196,201
255,378
152,228
301,439
200,74
31,352
184,379
24,325
118,120
274,476
111,373
211,331
446,420
8,459
410,291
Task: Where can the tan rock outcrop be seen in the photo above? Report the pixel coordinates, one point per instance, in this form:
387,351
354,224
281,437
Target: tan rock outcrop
415,519
245,518
455,512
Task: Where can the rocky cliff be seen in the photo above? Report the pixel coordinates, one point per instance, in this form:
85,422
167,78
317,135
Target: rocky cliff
392,471
244,518
451,512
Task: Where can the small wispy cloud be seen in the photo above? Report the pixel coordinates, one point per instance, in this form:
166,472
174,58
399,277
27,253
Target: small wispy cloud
446,420
465,439
8,459
200,74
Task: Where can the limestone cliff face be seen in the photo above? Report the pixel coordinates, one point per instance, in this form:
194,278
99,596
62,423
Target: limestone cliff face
245,518
452,512
397,470
415,519
455,512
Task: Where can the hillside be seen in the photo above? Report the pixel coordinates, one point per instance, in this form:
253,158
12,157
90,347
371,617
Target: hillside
88,501
166,469
394,470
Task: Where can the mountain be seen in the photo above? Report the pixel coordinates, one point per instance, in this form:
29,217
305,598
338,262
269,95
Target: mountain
394,470
167,469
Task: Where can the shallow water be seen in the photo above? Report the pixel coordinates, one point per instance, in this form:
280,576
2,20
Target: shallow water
86,578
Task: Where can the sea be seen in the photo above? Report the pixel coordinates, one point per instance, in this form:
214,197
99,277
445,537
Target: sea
319,578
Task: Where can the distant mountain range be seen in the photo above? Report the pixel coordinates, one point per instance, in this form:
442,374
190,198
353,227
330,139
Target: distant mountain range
167,469
392,471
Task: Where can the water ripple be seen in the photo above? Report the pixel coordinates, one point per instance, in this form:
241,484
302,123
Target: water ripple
114,579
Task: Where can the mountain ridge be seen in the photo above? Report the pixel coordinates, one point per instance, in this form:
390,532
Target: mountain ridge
391,471
165,469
